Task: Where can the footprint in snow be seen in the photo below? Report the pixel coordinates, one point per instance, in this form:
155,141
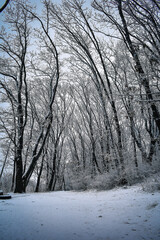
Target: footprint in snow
133,229
126,223
152,205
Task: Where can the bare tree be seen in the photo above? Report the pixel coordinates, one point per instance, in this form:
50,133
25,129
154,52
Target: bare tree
15,74
145,16
79,35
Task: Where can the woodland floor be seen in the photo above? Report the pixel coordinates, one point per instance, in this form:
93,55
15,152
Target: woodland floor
122,213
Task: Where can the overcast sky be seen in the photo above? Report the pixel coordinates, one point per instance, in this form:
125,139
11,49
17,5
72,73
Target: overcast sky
38,3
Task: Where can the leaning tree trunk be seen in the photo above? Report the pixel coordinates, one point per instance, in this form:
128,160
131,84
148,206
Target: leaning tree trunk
39,175
139,68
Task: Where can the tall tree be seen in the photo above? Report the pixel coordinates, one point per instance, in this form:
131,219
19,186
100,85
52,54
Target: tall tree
14,77
15,80
77,31
144,33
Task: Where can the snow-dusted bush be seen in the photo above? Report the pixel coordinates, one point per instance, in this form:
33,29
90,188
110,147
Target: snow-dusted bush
80,182
31,186
85,181
6,182
151,184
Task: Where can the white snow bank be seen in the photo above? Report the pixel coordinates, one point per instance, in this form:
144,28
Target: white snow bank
109,215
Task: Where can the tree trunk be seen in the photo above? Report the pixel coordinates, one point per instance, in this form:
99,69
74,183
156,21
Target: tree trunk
53,172
18,159
139,69
39,175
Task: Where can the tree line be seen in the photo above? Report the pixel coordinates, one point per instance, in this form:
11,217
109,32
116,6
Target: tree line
81,90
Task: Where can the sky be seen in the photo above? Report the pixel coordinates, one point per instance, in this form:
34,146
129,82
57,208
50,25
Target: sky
38,3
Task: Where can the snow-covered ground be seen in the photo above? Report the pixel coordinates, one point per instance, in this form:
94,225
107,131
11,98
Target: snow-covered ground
129,214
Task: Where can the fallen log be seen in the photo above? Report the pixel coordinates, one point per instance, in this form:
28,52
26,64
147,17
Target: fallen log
6,196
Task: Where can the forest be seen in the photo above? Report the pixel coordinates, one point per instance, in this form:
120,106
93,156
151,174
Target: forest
79,94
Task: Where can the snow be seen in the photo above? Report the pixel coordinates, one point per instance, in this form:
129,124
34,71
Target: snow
129,214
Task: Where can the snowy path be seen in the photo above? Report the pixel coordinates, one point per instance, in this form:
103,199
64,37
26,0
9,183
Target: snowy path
128,214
